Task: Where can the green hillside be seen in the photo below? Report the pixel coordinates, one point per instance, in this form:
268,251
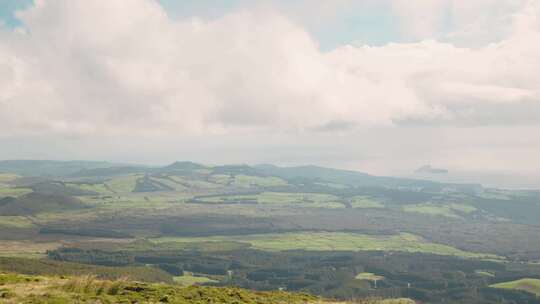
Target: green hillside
33,203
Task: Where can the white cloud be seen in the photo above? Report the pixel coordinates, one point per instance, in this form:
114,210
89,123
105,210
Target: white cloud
124,67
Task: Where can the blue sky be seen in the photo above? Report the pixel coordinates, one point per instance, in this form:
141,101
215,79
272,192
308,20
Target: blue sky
347,25
376,26
7,9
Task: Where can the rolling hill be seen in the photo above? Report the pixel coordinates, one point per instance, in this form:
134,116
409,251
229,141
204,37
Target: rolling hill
33,203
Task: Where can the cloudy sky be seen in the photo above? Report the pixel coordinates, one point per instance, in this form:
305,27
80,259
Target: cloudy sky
382,86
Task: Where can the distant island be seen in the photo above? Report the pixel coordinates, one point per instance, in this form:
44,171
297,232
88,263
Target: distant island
430,170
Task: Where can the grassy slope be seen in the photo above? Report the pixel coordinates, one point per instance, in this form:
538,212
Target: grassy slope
123,184
7,177
26,249
34,203
53,268
11,191
529,285
32,289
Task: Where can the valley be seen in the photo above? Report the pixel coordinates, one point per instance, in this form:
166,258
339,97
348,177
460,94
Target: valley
263,227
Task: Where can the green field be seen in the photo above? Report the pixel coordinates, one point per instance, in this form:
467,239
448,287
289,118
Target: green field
484,273
333,185
134,201
170,183
143,244
195,184
257,181
221,179
365,202
98,188
529,285
188,279
26,249
15,222
368,276
246,181
10,191
123,184
449,210
336,241
312,200
354,242
7,177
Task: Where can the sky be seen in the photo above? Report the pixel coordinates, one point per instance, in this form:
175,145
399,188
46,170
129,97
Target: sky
381,86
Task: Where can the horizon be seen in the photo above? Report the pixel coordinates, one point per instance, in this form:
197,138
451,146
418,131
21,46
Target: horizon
493,179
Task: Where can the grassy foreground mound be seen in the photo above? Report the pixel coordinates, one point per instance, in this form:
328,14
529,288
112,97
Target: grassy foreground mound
15,288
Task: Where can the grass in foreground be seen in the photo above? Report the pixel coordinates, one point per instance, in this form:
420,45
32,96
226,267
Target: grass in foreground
59,290
529,285
29,289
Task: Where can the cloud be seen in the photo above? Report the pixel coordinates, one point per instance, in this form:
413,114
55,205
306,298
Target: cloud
126,67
